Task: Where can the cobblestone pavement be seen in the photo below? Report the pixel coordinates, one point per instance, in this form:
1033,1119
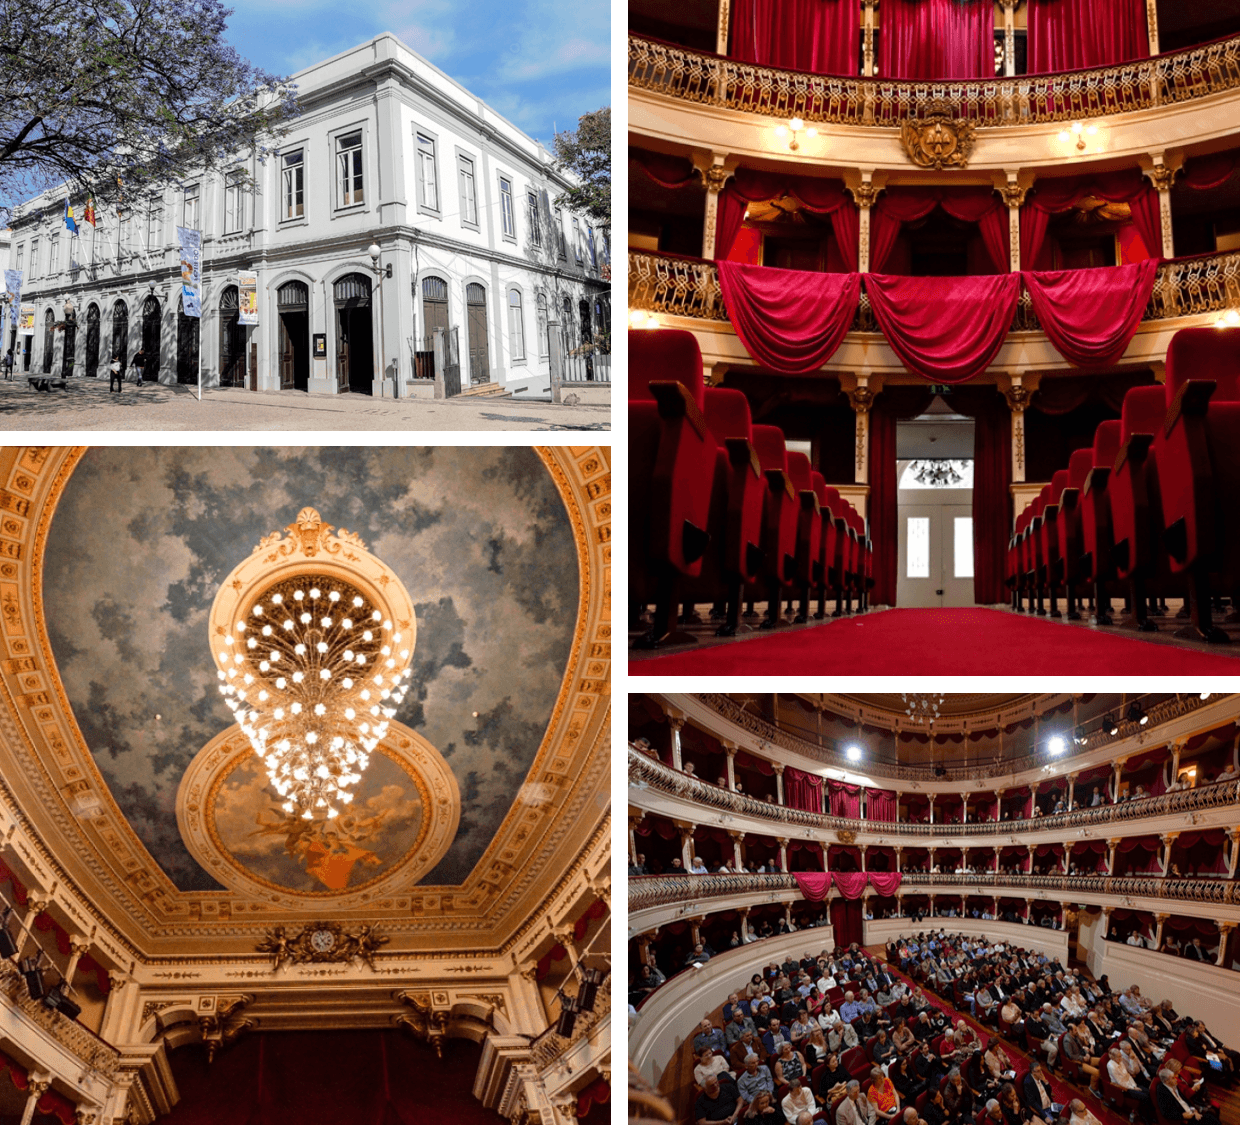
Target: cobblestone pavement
87,405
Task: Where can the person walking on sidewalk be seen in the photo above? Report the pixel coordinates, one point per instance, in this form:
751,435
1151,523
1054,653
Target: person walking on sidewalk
115,375
139,365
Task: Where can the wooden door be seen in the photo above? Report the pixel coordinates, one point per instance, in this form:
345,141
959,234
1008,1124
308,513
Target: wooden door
476,326
342,350
286,357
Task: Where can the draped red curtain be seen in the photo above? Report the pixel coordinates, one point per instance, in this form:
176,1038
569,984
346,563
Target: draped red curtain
886,882
1052,196
822,36
946,329
1074,34
992,494
790,321
901,205
667,171
823,197
1091,315
1213,170
51,1103
937,39
880,804
802,790
845,799
851,884
846,922
814,885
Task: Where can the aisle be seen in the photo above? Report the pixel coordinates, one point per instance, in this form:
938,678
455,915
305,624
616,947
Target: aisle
941,642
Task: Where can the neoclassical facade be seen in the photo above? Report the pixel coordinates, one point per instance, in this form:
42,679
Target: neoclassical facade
440,995
388,150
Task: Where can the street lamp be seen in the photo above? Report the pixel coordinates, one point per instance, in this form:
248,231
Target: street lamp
381,272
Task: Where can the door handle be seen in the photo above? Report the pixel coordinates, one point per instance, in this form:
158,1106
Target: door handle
939,593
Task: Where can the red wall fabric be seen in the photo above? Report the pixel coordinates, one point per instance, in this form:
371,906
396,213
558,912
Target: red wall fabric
851,884
1073,34
880,804
1213,170
814,884
790,321
901,205
845,799
821,36
823,197
1052,196
802,790
1091,315
946,329
937,39
846,922
667,171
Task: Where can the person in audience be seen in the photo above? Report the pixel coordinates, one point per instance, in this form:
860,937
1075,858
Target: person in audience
709,1064
884,1096
774,1036
883,1051
842,1036
709,1036
1202,1045
1052,1028
958,1096
1173,1106
1079,1115
754,1079
935,1109
902,1037
764,1111
738,1024
854,1109
699,955
833,1075
719,1103
1230,773
789,1064
906,1079
1036,1090
1119,1075
748,1044
800,1026
1012,1015
1076,1047
850,1009
997,1066
797,1100
1014,1111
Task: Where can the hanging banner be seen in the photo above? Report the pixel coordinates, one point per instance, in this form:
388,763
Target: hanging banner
247,298
25,326
13,291
190,242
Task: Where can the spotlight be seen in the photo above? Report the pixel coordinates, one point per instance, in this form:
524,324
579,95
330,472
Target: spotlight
568,1018
1109,724
1056,746
1136,714
1079,736
590,981
853,753
8,947
58,1000
34,977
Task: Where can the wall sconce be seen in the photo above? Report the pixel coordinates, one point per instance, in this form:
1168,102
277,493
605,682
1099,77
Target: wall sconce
1080,131
1229,319
795,127
640,318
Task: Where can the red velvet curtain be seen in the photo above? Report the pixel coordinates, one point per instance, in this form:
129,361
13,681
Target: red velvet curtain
851,884
1074,34
823,197
901,205
937,39
886,882
667,171
846,922
802,790
880,804
814,884
790,321
946,329
992,494
1052,196
821,36
1091,315
1213,170
845,798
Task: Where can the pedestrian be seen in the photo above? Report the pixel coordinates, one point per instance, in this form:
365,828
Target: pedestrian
8,364
115,375
139,365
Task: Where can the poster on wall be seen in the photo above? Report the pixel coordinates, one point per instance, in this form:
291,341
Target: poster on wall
247,298
25,325
190,242
13,291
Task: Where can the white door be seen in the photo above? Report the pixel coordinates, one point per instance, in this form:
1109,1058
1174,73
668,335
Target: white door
936,552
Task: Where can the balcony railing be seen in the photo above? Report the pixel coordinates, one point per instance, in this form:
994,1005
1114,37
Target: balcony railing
84,1044
689,287
648,771
550,1046
703,78
664,890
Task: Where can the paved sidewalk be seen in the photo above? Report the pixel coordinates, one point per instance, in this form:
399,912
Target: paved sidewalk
87,405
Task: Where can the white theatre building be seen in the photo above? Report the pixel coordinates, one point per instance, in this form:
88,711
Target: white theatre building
388,150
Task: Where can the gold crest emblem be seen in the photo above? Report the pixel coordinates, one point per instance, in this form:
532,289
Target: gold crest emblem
938,140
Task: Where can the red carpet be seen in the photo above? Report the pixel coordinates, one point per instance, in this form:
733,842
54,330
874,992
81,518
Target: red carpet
940,642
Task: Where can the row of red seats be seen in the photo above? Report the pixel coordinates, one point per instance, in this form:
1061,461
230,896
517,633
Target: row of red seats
720,510
1153,503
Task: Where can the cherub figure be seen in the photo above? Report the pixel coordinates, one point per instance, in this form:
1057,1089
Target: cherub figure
277,944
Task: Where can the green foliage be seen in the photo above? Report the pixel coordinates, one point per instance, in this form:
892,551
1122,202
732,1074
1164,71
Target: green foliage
586,154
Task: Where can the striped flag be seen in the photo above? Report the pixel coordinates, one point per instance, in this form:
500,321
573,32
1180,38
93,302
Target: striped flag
89,217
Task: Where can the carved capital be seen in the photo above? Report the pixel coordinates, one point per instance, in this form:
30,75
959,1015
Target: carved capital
78,944
39,1084
85,1116
1161,176
1013,194
864,194
714,178
676,722
862,399
1018,398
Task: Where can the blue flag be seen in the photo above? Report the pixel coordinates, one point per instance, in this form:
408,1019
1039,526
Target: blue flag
70,222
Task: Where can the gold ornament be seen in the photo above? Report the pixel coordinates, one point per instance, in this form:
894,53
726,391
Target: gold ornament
938,140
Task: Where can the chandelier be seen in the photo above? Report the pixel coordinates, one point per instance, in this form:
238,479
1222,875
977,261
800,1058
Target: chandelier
313,660
922,708
937,474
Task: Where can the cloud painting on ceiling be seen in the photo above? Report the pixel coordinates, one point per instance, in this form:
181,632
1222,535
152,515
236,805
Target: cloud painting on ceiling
142,538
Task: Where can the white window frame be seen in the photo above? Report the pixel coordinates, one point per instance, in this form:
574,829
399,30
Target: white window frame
426,156
516,325
541,318
349,167
531,206
53,255
234,203
154,213
191,207
34,258
577,241
467,188
559,234
507,209
293,195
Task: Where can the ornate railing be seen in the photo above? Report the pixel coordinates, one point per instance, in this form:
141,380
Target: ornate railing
550,1046
689,287
648,771
696,76
664,890
76,1039
1160,712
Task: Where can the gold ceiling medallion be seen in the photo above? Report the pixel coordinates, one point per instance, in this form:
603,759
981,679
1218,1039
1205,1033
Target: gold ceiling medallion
937,140
321,942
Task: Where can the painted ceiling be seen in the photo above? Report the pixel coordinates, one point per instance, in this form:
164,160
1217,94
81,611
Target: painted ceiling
142,538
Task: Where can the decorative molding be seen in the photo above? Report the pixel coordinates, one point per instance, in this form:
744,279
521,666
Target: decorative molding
321,942
937,139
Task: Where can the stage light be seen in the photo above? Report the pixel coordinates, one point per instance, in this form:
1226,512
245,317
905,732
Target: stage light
590,981
568,1018
8,947
1056,746
1136,714
34,976
853,753
1109,724
58,1000
1080,737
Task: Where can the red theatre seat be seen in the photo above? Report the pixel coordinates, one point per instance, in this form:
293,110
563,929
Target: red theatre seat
779,520
1031,561
1098,538
1070,531
1197,460
1052,561
809,529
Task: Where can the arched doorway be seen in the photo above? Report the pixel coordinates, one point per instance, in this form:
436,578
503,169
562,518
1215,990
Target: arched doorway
232,340
293,298
151,340
476,313
355,363
49,340
187,344
68,356
120,334
92,341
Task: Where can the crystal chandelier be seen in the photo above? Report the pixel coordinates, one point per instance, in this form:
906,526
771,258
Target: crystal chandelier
312,667
922,708
937,474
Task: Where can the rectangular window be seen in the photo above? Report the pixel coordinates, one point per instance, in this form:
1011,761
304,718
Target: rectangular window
192,203
918,547
34,257
559,234
53,265
21,253
577,239
593,252
516,325
964,546
153,215
233,203
531,201
293,185
507,216
428,177
349,169
469,197
543,344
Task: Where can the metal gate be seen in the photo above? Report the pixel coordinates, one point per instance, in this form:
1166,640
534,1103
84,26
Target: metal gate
452,363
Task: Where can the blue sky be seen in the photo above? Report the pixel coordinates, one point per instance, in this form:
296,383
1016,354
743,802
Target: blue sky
537,62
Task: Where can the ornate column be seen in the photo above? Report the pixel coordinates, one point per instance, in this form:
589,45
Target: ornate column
745,923
899,858
1167,839
1067,855
1176,747
730,748
997,850
864,194
862,848
932,816
1009,37
1029,848
1013,193
1111,855
84,1116
1233,835
1071,790
1151,21
1018,396
677,724
1106,923
862,399
964,808
1162,175
694,923
1119,769
566,935
39,1083
788,915
783,854
721,34
738,860
686,843
994,907
1063,915
716,169
532,994
779,784
930,859
1224,935
77,947
867,38
635,818
1160,919
643,948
